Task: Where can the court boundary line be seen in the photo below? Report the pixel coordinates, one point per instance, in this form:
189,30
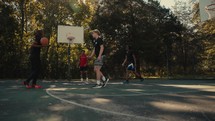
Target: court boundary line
101,110
137,94
126,95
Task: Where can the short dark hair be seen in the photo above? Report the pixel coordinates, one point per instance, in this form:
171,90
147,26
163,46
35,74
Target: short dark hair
38,35
129,47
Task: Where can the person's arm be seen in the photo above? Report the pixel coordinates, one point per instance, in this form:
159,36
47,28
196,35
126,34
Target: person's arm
100,52
34,44
135,61
92,54
124,61
78,63
86,62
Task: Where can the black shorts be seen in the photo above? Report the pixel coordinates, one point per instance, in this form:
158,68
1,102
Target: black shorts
85,68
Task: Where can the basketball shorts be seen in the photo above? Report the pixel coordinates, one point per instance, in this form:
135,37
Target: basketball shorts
99,62
84,68
131,67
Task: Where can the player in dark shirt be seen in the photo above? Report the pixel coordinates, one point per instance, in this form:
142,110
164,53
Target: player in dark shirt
130,59
35,61
98,50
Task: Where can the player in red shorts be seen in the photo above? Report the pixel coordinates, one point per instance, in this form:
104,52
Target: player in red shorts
83,66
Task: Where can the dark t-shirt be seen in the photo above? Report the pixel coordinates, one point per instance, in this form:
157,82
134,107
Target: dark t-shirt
35,51
97,43
130,57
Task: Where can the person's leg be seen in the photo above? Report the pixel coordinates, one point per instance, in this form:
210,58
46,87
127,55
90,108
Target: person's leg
86,73
81,75
98,74
102,76
26,83
104,73
128,72
103,70
36,74
97,68
127,77
138,75
29,78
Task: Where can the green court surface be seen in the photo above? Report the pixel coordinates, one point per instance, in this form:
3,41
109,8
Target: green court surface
151,100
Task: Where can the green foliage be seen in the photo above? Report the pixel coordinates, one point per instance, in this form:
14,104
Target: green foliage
9,45
153,31
165,42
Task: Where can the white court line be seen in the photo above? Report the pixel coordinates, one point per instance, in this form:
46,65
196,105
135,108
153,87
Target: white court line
101,110
116,113
136,94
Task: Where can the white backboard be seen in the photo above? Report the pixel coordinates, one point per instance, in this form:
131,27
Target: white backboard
207,9
65,31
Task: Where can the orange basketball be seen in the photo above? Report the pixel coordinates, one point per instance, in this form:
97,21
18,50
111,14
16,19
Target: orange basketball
44,41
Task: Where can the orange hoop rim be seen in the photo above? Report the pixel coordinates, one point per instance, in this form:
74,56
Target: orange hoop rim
211,9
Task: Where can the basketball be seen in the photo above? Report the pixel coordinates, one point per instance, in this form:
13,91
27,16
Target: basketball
44,41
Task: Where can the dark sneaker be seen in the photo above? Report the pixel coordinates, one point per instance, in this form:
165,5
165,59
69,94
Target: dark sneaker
142,79
97,86
24,83
126,82
106,82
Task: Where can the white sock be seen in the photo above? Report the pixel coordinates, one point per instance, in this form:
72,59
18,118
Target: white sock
98,82
103,78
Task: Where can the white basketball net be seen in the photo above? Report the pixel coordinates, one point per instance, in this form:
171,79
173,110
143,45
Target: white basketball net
210,9
70,38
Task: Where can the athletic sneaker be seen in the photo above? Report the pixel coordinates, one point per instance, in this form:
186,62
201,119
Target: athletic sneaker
26,85
106,82
36,86
126,82
103,78
82,79
142,79
97,86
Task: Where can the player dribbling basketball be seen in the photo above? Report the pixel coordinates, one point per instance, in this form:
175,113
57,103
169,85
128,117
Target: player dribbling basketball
35,61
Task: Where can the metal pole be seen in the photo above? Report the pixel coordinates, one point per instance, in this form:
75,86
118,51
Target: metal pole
69,62
167,62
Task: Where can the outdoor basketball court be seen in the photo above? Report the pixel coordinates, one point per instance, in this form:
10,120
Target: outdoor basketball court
152,100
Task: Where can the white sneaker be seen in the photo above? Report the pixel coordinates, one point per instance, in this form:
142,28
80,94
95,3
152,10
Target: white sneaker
106,82
97,86
103,79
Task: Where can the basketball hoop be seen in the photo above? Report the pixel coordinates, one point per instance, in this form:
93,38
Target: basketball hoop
210,9
70,38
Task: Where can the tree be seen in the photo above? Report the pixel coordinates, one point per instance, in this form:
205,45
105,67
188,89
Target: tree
205,33
145,26
8,41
